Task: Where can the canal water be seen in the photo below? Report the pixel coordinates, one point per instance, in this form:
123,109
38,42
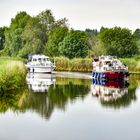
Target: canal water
71,106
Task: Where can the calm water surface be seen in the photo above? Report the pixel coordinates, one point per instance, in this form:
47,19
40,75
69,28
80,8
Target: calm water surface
61,107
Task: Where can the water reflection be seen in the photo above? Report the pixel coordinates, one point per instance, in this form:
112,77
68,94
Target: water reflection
12,100
40,82
114,94
45,93
50,92
68,106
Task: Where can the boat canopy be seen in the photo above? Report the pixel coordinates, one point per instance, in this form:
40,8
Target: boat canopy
39,56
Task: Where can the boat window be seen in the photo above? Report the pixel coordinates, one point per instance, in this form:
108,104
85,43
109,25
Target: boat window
44,59
39,59
107,62
48,59
114,57
96,59
34,60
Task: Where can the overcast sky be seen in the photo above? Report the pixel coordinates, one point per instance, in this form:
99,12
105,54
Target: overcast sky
81,14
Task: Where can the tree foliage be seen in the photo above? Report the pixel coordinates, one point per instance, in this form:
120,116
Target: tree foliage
34,38
46,19
95,48
13,39
91,33
19,21
75,44
56,36
2,37
118,41
44,34
28,34
136,36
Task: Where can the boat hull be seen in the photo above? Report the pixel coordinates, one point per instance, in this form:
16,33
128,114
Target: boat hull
40,69
111,83
109,75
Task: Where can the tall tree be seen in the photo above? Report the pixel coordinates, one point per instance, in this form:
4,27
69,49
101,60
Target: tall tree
95,49
118,41
91,33
75,44
46,19
2,37
34,37
136,36
13,39
56,36
20,20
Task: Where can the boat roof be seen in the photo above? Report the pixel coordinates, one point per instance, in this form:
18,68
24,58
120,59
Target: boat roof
39,56
107,57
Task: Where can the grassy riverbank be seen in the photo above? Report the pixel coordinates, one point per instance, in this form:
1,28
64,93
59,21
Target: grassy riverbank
76,64
85,64
133,64
12,74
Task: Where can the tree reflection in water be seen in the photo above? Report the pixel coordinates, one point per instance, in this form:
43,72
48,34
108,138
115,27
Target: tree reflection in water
43,95
57,96
114,94
12,100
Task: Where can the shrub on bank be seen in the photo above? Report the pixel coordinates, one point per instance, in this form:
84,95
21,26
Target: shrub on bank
132,63
76,64
12,75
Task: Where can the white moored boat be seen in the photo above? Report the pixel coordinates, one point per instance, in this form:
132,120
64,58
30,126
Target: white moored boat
40,64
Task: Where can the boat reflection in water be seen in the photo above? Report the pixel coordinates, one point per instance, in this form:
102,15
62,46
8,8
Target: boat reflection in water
40,82
109,91
44,96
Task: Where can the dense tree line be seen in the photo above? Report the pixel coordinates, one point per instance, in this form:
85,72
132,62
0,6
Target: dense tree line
44,34
118,41
2,37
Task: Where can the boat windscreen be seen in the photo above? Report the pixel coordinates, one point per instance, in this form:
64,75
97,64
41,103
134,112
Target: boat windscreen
39,59
34,60
48,59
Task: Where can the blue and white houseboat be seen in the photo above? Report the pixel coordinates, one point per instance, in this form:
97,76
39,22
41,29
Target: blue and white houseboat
109,67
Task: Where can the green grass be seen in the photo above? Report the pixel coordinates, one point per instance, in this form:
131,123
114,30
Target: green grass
133,64
12,74
76,64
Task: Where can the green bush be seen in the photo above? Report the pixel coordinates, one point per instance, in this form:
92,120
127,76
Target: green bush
132,63
76,64
12,74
